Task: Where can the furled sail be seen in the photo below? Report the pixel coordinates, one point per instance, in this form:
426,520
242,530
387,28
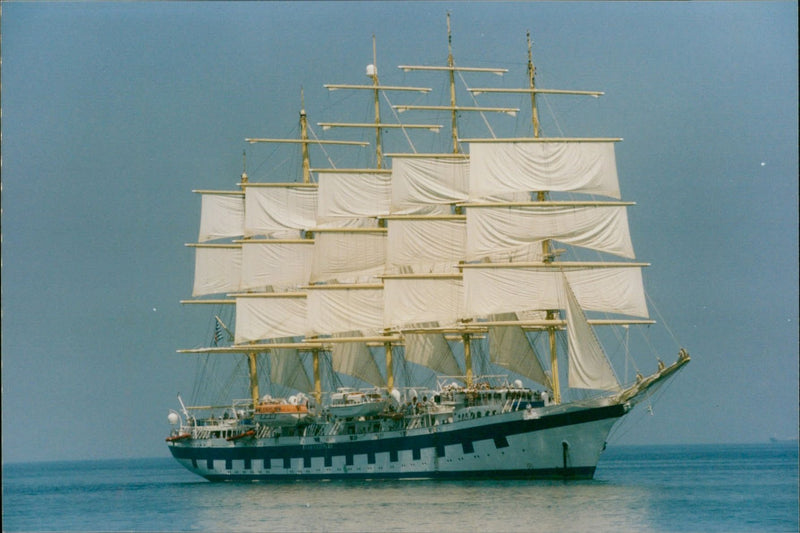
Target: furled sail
221,215
286,368
279,210
507,167
415,298
588,365
278,264
341,308
614,288
499,229
431,350
425,243
270,316
510,348
217,268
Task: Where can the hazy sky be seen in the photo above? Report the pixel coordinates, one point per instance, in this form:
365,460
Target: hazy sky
113,112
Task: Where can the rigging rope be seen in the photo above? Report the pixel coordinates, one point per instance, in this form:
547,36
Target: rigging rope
397,118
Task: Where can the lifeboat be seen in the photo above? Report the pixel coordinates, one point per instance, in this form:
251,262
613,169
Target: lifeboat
351,404
280,413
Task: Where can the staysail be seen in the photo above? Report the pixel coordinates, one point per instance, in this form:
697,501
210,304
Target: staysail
588,365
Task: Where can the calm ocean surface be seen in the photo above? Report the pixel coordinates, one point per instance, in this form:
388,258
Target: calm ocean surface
636,488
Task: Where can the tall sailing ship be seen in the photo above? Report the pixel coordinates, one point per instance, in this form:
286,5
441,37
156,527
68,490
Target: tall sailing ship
412,320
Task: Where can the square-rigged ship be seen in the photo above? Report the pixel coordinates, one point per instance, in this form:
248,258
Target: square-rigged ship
443,262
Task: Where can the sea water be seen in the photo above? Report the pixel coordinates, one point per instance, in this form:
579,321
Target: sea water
636,488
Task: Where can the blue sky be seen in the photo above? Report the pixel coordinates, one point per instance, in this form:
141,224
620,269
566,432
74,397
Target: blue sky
114,112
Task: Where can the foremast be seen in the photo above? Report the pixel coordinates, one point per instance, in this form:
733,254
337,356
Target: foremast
549,255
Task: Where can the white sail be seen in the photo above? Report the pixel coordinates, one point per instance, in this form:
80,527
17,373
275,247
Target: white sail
510,348
270,316
221,215
506,167
428,185
509,229
348,255
489,290
431,350
588,366
217,269
425,244
355,359
286,368
353,194
277,264
341,308
418,298
279,210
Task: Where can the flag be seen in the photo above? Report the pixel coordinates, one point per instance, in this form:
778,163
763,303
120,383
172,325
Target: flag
217,331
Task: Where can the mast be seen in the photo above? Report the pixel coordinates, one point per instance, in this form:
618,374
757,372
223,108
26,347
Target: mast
376,93
304,141
252,359
454,108
304,138
532,85
548,254
376,88
451,65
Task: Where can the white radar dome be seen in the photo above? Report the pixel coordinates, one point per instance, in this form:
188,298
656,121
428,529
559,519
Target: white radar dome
518,383
173,418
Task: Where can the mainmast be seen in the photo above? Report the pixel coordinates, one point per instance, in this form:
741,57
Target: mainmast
378,125
454,108
376,88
